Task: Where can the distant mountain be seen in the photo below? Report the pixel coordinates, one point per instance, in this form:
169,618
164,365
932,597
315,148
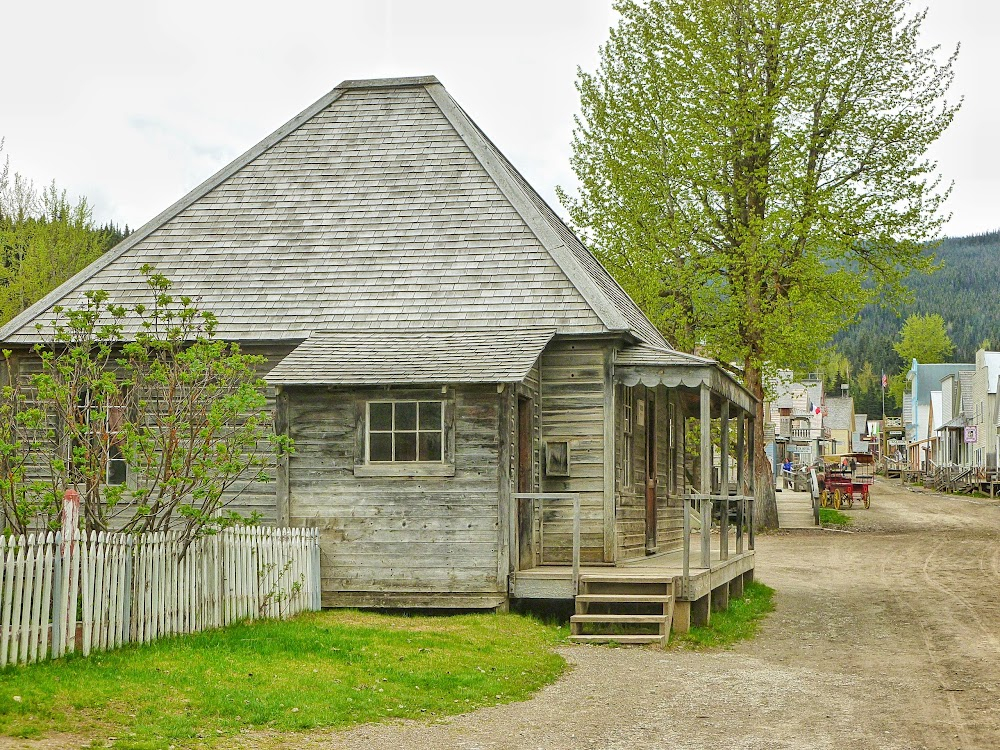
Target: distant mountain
965,292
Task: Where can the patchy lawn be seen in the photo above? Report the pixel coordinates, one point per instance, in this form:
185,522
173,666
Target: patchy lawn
832,517
323,669
737,623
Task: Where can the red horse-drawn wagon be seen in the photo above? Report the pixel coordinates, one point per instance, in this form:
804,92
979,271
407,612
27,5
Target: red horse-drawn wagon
848,480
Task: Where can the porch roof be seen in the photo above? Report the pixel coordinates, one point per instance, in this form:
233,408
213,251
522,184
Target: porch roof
429,355
652,366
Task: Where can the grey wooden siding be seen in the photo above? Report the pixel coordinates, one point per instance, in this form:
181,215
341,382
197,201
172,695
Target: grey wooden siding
384,538
248,498
573,379
630,501
670,521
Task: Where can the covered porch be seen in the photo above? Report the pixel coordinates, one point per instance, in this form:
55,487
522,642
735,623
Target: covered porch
696,590
679,433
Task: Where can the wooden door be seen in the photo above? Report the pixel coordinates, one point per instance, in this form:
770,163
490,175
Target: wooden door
525,517
650,474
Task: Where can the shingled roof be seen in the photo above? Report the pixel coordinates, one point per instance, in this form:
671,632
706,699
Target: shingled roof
381,205
495,355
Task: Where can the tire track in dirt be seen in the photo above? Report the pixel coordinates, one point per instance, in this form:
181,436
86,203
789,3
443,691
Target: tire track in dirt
941,672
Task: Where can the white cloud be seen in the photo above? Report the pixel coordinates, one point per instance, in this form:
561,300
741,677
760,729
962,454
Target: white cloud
135,103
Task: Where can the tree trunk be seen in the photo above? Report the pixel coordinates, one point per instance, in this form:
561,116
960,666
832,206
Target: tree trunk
765,503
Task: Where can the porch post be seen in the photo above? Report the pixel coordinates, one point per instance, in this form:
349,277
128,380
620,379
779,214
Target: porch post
724,484
741,457
680,416
706,476
680,446
751,472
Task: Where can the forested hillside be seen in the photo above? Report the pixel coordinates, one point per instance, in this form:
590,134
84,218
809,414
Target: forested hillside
965,292
44,240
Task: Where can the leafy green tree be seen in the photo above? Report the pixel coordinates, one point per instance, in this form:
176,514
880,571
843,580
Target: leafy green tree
145,390
755,171
923,338
962,291
44,240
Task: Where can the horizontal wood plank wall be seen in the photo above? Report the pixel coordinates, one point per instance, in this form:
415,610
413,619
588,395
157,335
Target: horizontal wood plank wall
630,500
398,541
670,512
572,387
248,498
532,388
261,497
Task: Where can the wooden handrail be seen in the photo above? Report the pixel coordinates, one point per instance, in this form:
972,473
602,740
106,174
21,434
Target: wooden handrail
541,497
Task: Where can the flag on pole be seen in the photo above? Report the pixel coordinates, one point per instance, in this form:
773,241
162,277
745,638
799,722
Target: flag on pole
885,380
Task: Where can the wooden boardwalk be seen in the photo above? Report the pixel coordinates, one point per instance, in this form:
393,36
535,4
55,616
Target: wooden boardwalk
795,510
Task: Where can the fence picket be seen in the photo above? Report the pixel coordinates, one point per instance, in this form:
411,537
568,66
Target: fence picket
87,593
28,565
73,549
43,617
137,588
101,596
111,560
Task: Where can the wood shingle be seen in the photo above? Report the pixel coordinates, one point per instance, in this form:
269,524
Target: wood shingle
413,356
382,205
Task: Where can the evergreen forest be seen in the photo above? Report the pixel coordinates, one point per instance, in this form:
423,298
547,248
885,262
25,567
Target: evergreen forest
965,291
45,238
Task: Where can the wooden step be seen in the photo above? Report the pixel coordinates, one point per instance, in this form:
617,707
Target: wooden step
624,598
631,578
623,639
651,619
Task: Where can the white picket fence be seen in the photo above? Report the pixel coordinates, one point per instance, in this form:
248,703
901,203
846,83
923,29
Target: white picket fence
110,589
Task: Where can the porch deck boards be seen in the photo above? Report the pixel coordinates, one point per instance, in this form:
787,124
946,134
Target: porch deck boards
556,581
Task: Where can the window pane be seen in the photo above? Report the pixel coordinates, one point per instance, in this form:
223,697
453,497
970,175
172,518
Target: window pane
430,445
380,446
406,416
406,446
117,471
380,414
430,415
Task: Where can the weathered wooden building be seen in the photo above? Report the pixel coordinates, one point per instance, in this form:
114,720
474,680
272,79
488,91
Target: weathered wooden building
446,356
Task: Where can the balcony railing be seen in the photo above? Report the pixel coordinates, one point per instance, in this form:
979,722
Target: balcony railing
699,510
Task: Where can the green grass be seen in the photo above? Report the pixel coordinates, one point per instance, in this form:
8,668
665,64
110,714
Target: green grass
831,517
737,623
325,669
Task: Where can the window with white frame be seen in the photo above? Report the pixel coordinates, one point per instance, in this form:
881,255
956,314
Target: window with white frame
405,432
104,424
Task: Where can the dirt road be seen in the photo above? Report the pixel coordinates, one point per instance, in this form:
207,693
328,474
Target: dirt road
885,638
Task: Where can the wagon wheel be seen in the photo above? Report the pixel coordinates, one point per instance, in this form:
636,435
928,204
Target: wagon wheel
837,497
824,499
866,498
849,498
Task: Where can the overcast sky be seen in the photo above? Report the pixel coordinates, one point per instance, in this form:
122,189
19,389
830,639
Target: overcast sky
133,103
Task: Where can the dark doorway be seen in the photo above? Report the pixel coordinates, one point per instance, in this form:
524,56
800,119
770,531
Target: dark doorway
650,475
525,517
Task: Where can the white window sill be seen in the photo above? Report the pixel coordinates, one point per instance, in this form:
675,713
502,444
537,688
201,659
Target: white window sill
405,470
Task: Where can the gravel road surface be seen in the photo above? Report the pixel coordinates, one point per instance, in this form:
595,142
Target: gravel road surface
887,637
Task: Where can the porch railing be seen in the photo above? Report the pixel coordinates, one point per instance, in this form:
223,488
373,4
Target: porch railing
537,501
702,508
